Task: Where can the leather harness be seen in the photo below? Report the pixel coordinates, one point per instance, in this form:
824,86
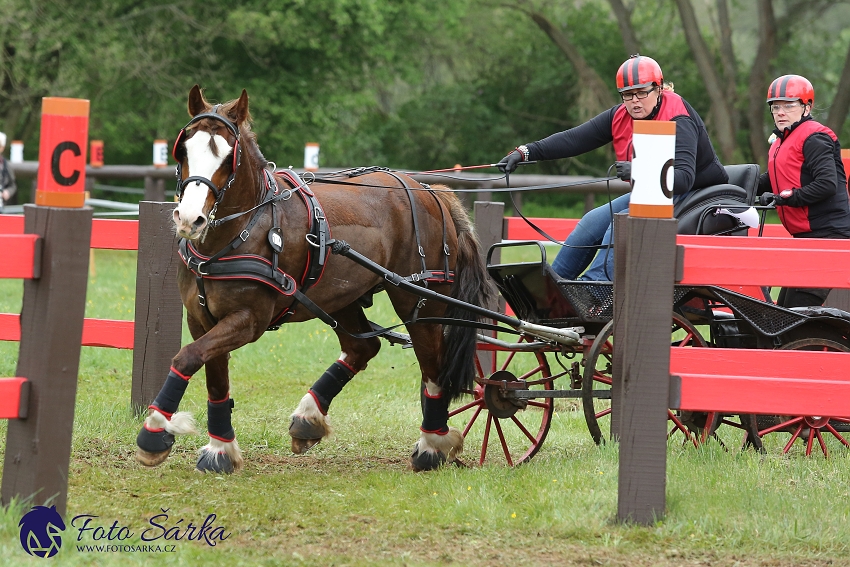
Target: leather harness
227,265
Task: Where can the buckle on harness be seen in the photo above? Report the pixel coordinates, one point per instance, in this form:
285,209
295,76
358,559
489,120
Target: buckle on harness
319,213
244,235
202,300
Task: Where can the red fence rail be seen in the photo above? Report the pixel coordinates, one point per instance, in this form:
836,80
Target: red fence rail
107,234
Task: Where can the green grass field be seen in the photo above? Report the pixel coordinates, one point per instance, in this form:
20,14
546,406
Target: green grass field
352,500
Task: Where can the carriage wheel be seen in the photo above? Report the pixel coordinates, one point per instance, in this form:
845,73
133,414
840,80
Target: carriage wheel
808,429
596,382
507,430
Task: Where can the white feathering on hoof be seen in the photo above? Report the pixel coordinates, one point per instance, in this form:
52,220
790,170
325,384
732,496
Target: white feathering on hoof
309,411
218,448
450,444
181,423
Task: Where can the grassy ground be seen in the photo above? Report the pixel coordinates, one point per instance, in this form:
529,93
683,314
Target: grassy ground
352,500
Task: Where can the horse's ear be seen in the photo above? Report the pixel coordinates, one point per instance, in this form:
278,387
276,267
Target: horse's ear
197,104
241,108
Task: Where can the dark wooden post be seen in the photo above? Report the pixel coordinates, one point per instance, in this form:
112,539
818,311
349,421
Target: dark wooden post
489,218
621,246
589,202
154,189
159,309
38,448
647,297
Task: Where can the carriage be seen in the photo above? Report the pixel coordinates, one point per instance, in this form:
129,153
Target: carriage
728,319
256,244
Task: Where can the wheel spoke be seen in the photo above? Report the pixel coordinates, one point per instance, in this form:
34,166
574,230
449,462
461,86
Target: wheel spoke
603,413
523,429
821,443
503,442
794,437
537,404
486,439
837,435
531,372
472,419
782,425
466,407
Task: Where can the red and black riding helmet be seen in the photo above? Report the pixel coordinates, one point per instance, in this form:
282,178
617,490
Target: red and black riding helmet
639,71
790,88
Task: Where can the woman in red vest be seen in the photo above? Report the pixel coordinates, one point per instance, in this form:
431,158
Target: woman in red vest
805,177
646,96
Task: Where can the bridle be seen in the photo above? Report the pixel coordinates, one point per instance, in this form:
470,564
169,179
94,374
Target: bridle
218,192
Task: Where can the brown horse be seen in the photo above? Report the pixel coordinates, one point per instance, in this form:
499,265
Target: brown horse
255,250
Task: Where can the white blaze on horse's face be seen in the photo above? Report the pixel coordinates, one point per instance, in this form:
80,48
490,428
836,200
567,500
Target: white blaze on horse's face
201,161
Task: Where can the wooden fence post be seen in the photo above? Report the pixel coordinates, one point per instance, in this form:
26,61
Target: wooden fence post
621,247
159,309
645,361
38,448
489,219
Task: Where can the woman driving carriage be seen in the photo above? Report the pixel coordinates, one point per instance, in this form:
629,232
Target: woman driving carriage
646,96
805,177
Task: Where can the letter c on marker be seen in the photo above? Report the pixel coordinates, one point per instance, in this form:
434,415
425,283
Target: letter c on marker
664,189
57,156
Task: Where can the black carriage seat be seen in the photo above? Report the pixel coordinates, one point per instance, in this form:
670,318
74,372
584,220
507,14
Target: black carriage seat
539,295
697,214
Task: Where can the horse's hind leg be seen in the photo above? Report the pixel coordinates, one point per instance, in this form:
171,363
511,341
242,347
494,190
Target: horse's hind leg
309,424
438,443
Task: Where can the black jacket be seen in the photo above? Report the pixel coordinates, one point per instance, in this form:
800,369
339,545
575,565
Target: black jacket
696,163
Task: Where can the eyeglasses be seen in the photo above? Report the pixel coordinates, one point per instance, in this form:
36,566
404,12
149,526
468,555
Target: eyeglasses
783,106
640,95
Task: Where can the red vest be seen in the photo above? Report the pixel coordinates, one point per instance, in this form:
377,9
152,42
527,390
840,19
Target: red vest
621,127
784,166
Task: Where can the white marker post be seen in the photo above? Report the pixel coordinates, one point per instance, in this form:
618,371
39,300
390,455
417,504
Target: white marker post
654,144
311,156
16,152
645,266
160,153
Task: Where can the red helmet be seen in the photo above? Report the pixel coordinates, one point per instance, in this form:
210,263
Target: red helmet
791,87
639,71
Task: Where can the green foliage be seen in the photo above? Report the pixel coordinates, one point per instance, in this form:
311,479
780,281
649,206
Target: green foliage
400,84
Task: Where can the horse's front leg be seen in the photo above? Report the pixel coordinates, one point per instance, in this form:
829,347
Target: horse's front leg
222,453
163,422
309,422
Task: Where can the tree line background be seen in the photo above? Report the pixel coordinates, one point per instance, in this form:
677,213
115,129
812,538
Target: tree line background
413,83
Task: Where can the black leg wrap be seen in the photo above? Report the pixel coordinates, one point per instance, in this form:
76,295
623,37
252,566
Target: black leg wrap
218,420
435,414
171,393
330,384
154,441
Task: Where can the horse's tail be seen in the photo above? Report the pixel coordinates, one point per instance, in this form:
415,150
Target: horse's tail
471,285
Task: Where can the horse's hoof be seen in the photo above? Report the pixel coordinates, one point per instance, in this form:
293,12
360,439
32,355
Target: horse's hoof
426,460
149,459
304,434
215,462
301,446
153,446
